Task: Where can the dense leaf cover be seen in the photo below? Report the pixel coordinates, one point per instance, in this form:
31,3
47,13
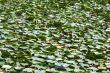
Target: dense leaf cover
55,36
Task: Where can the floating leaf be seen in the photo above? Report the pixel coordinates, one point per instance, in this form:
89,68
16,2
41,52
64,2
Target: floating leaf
6,66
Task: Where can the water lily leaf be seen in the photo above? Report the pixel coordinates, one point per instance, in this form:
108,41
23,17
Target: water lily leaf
28,70
101,66
6,66
107,65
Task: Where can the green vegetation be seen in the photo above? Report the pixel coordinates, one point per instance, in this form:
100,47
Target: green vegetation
55,36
